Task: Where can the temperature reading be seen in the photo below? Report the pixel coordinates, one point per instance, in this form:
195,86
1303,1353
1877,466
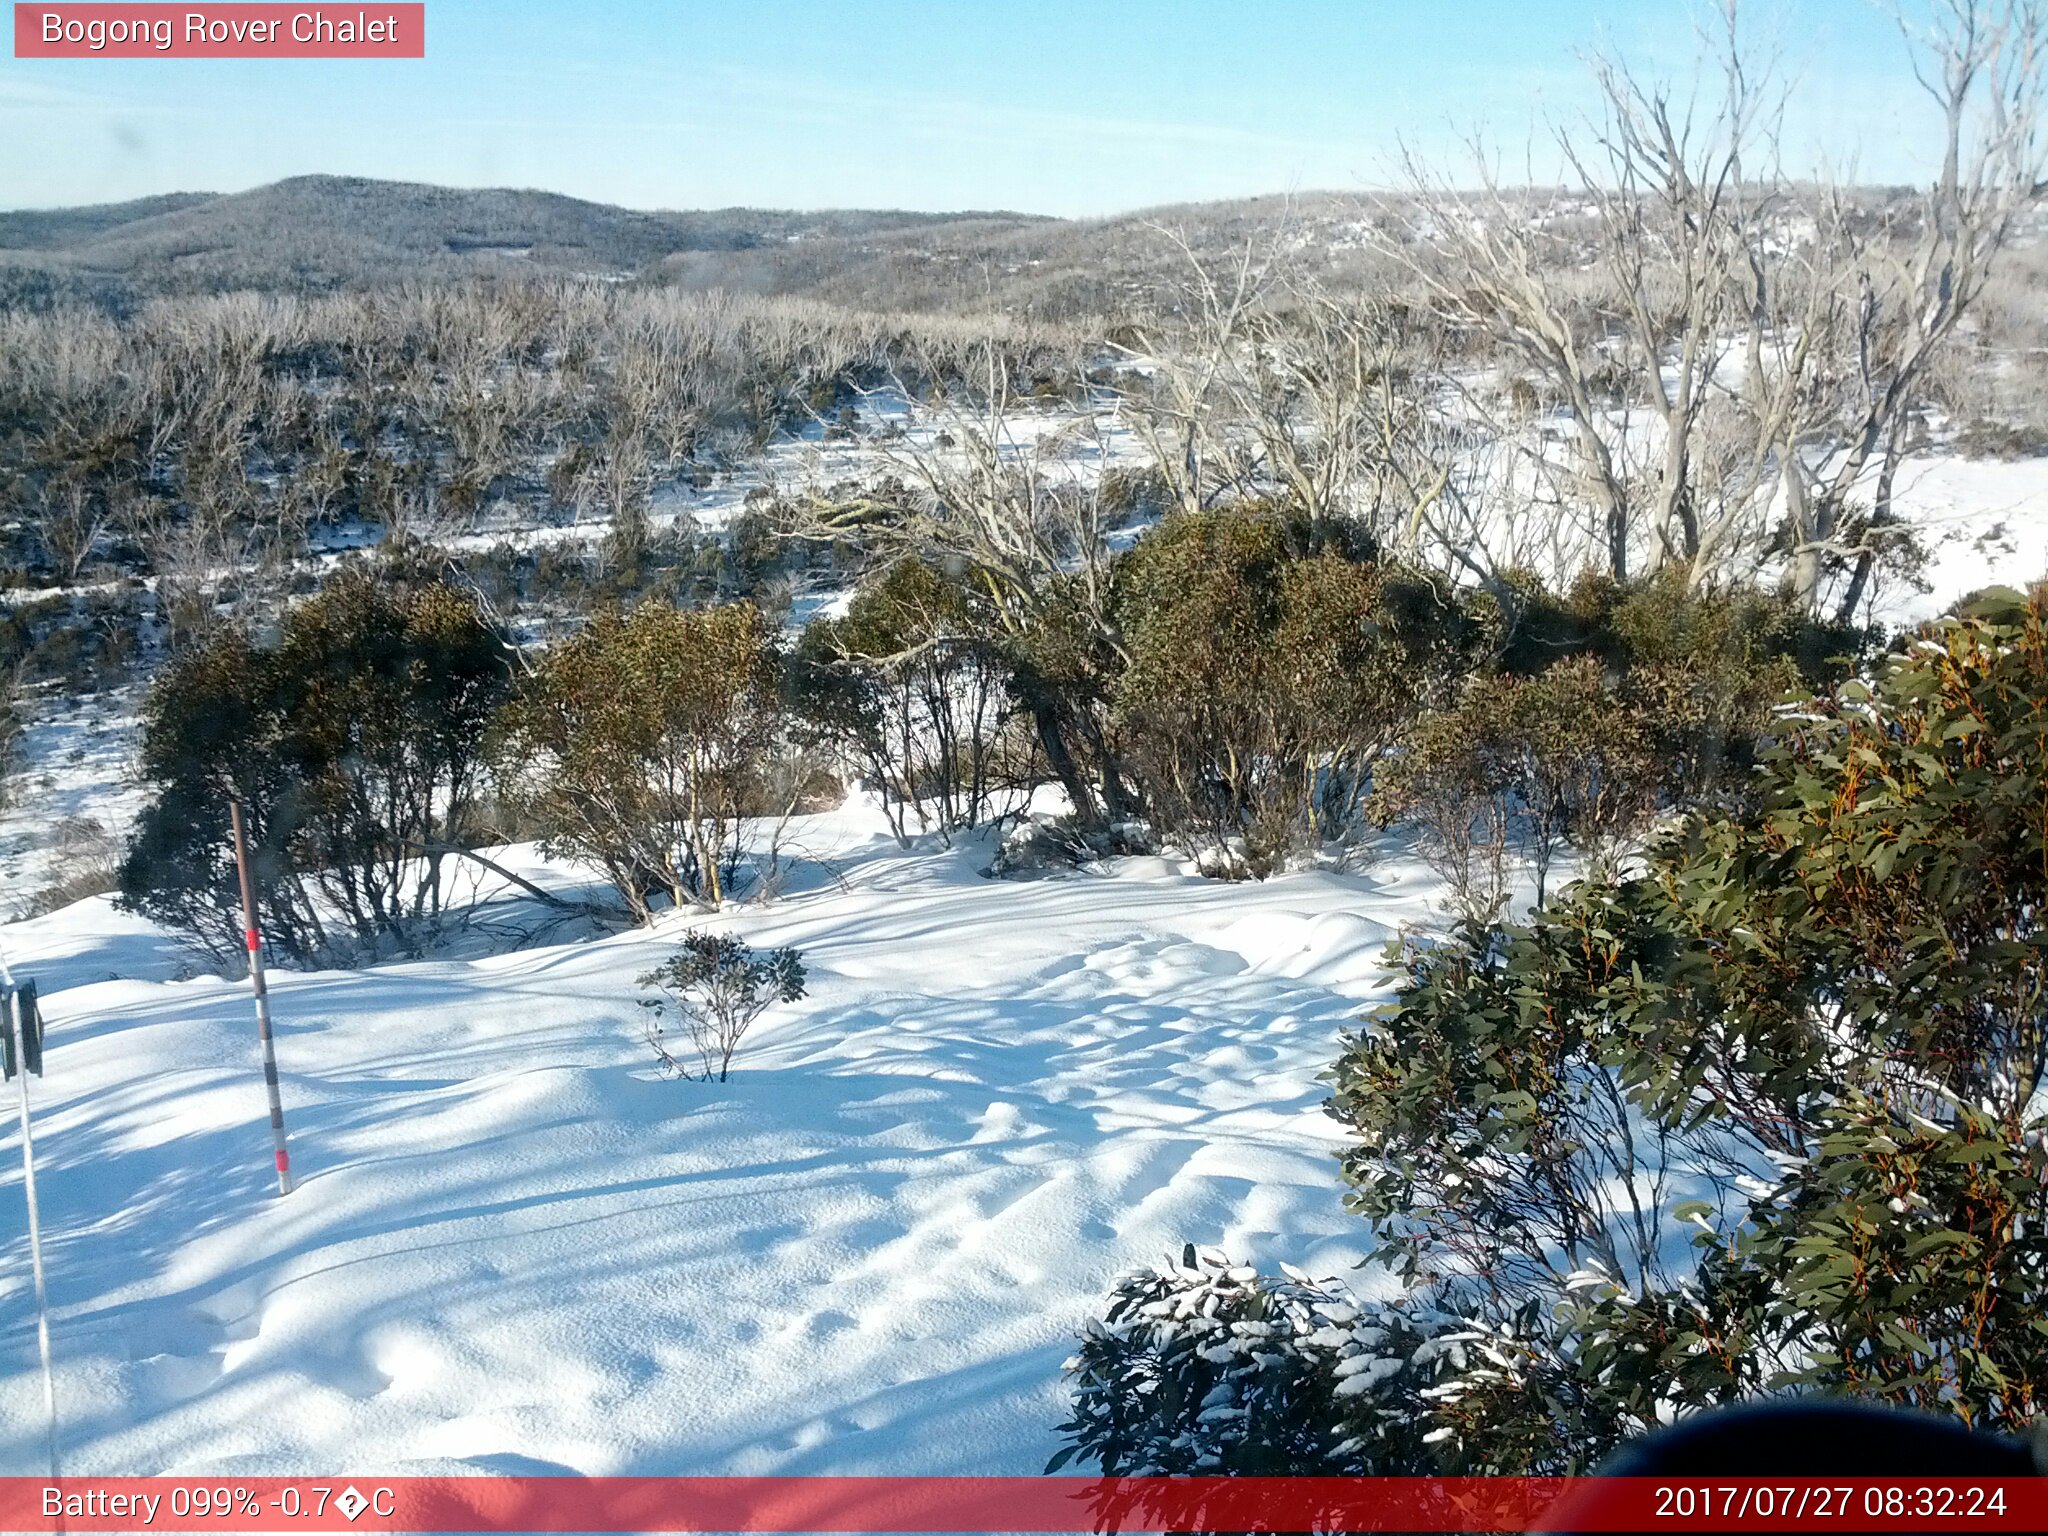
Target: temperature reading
291,1506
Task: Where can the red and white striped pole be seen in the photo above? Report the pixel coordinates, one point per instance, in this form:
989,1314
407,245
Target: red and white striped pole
255,942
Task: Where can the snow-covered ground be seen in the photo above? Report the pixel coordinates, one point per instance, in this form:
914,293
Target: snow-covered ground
516,1246
1057,440
73,785
1982,522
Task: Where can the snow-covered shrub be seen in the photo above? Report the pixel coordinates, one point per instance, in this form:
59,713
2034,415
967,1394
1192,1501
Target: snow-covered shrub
1208,1367
1042,844
1905,1261
1764,1119
717,986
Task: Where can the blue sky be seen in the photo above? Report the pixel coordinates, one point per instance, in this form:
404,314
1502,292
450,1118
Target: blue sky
1048,106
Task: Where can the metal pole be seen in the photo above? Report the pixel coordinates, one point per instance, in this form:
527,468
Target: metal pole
35,1233
254,940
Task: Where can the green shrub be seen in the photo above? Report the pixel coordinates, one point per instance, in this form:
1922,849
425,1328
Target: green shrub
355,746
1523,765
1762,1118
1261,686
1210,1369
717,986
641,743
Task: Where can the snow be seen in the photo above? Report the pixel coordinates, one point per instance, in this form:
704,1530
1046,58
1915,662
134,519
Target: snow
517,1247
1983,522
75,764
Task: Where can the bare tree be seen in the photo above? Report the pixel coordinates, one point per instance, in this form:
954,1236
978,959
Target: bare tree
1263,382
1653,215
1918,275
74,517
1019,512
1720,340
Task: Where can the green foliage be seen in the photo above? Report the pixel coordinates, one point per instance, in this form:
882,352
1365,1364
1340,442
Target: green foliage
1262,686
1607,704
1703,670
1760,1118
1524,764
354,745
1912,1260
717,986
1204,1368
641,743
1844,981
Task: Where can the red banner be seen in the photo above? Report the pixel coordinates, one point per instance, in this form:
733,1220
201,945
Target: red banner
1029,1504
371,30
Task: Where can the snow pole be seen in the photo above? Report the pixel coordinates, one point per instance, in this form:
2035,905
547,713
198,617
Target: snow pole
35,1259
254,939
22,1053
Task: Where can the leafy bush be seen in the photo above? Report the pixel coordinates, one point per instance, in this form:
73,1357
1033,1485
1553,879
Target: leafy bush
1761,1119
1868,944
1703,670
717,986
1523,764
354,744
1603,707
1204,1367
641,744
1262,685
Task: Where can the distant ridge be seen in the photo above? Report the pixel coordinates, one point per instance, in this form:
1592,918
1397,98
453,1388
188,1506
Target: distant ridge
321,232
315,234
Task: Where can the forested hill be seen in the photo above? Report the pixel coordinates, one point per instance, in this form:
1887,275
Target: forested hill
316,234
312,233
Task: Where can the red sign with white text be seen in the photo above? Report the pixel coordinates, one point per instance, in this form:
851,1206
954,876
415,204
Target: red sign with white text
237,31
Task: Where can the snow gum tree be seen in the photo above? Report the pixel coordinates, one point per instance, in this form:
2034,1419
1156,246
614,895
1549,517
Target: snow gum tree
1735,356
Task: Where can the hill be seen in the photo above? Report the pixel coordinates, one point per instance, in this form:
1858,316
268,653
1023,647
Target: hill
312,233
322,233
44,229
